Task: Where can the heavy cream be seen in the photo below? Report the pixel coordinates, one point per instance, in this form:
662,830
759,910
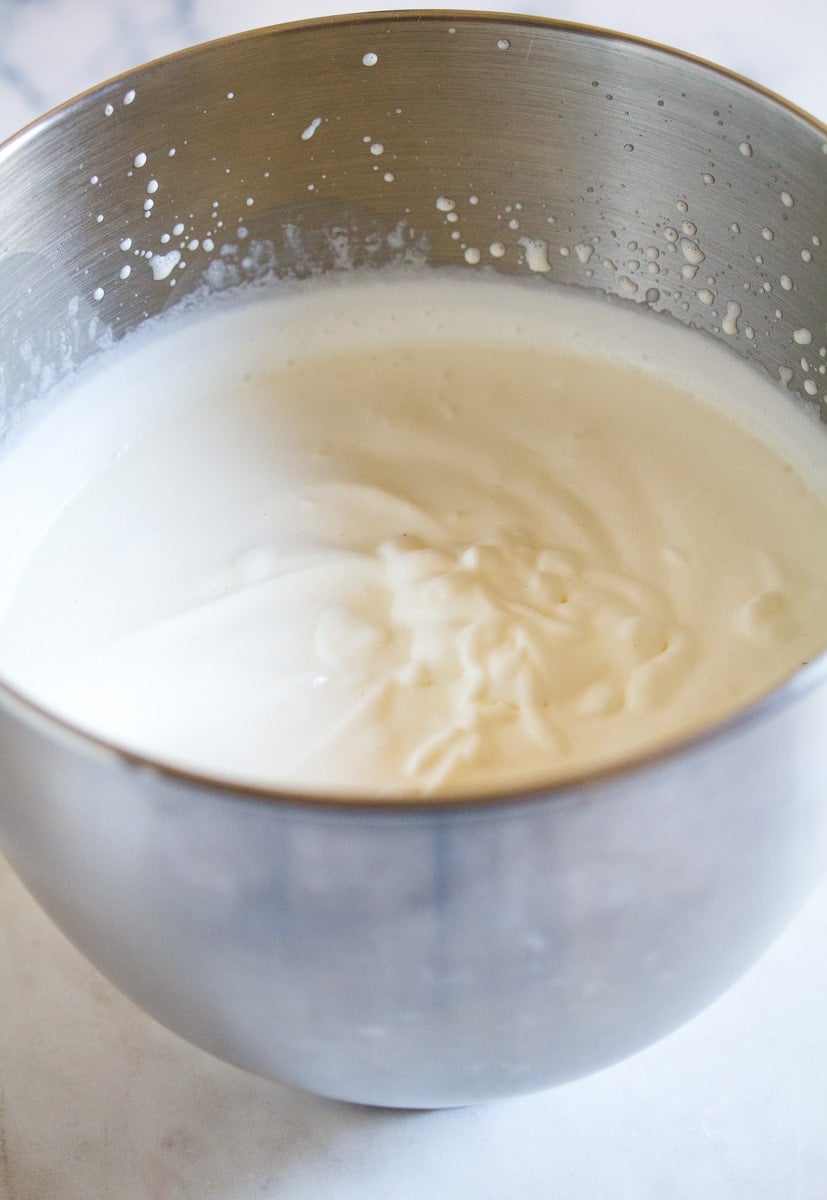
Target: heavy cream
411,534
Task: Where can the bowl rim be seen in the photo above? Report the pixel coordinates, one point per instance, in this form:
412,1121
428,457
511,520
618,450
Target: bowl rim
562,785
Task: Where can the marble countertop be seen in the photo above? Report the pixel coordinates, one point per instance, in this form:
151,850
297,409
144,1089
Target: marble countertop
97,1101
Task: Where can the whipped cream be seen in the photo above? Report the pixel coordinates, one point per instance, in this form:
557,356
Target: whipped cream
411,534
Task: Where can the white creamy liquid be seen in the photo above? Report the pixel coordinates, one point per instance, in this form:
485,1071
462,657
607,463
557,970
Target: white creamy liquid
414,534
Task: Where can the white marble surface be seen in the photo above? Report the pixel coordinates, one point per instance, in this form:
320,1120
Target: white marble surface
96,1101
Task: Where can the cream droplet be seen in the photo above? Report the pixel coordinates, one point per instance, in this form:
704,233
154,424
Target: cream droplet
692,252
536,253
311,129
163,265
730,321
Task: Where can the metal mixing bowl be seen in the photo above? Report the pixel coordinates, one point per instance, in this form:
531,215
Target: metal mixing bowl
433,953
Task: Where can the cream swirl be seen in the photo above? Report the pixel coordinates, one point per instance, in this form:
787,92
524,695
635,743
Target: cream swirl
503,638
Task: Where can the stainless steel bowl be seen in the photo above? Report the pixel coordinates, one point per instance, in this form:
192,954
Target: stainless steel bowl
440,953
